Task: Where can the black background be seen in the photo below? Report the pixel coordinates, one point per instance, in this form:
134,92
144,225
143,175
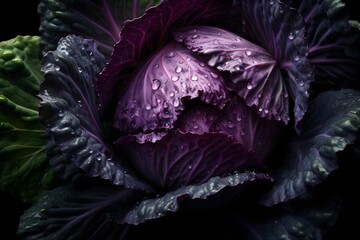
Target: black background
26,22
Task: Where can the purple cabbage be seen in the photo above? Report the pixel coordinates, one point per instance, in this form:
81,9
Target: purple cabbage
193,103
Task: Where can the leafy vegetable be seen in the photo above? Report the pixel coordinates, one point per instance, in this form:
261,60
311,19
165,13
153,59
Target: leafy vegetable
332,41
161,85
255,74
313,155
143,36
24,169
73,213
70,111
281,31
188,108
98,20
155,208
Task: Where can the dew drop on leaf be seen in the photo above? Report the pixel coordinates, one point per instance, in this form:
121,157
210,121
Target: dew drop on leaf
194,77
174,78
155,84
178,69
291,36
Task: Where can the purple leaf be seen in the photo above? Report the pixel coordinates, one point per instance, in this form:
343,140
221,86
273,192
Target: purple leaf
99,20
143,36
70,112
281,31
256,76
238,121
180,159
154,98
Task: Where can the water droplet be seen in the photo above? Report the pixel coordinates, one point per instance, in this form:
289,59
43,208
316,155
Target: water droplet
291,36
165,104
301,83
80,103
202,64
260,109
266,111
296,58
98,156
170,54
156,66
57,68
190,167
174,78
249,86
238,117
172,207
188,59
195,126
230,124
214,75
180,38
195,36
242,133
80,70
176,102
287,117
259,95
247,52
155,84
178,69
148,106
194,77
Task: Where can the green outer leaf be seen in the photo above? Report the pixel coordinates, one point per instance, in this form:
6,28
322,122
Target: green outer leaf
23,165
331,123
